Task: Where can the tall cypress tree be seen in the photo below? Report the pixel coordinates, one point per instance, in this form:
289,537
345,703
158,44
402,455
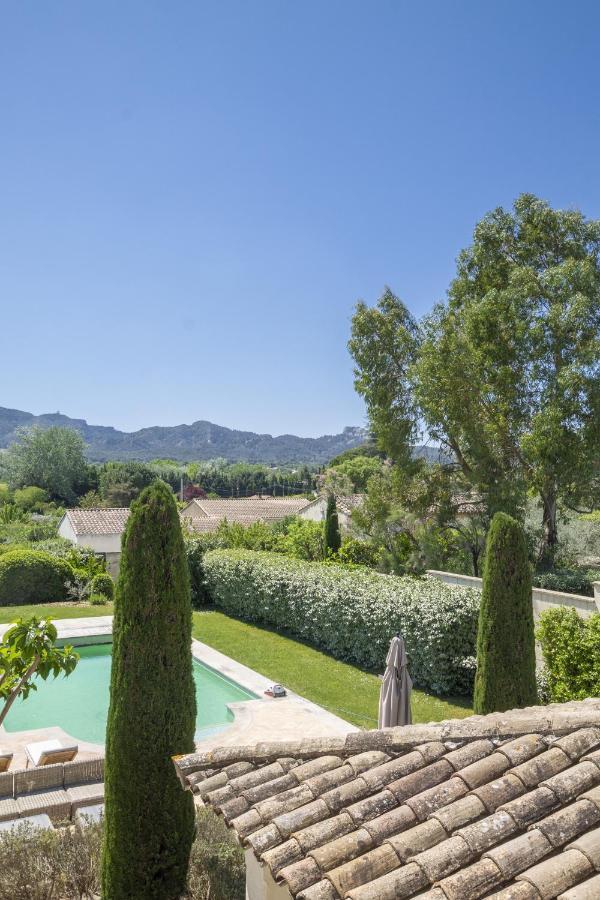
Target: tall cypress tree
333,540
505,676
149,819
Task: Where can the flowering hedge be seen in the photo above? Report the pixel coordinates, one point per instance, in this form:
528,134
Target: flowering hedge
353,613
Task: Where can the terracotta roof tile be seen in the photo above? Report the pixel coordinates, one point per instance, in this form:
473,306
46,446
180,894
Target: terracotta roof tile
204,515
504,806
98,521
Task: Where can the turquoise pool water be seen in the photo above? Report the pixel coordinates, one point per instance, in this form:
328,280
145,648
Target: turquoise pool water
79,703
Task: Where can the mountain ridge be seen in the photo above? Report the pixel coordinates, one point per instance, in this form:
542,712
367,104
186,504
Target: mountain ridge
199,441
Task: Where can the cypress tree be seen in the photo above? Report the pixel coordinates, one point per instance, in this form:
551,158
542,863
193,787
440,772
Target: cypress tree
333,540
505,676
149,819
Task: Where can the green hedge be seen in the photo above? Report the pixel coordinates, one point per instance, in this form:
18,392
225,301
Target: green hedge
32,576
568,581
571,648
353,613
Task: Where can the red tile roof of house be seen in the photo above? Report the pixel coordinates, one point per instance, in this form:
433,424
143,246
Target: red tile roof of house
98,520
504,806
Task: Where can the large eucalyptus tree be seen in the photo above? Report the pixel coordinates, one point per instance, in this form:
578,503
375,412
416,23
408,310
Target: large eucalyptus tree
506,372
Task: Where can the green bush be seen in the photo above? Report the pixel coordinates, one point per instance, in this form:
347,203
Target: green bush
569,581
353,613
195,548
359,553
571,649
217,869
98,599
32,576
103,584
302,539
31,498
42,864
505,676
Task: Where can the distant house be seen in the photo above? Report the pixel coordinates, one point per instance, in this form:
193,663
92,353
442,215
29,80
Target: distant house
205,515
316,510
98,529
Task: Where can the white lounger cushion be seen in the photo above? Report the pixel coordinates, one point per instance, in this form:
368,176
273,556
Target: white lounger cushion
42,752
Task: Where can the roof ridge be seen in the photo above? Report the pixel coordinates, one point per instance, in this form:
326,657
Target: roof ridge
557,719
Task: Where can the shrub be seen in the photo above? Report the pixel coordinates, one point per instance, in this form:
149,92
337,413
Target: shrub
103,584
571,648
31,498
98,599
303,539
10,513
359,553
42,864
152,712
32,576
217,868
256,536
569,581
505,676
79,586
353,613
195,548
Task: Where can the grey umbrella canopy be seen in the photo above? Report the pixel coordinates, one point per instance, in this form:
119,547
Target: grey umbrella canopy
396,688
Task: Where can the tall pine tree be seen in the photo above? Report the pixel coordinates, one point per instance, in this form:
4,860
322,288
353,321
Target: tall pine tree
333,540
505,676
149,819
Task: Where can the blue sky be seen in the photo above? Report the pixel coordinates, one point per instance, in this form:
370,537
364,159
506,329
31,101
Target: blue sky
194,195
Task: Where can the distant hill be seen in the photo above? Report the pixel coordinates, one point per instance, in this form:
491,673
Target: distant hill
200,440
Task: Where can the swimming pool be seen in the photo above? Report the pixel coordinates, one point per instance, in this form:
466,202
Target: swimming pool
79,703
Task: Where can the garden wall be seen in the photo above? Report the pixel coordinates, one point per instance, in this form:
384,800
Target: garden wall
353,613
542,599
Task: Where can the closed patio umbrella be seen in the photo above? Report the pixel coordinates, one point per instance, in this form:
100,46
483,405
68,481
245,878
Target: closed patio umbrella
394,698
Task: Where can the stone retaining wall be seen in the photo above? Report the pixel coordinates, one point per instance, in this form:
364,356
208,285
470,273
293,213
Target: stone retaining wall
542,599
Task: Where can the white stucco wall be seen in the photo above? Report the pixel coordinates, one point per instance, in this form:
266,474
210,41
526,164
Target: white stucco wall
260,884
192,511
541,598
107,544
315,511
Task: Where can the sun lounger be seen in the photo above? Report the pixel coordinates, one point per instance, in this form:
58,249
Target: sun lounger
5,760
44,753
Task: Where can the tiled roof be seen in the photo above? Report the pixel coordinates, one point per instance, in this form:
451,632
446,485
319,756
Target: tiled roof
249,509
98,521
505,806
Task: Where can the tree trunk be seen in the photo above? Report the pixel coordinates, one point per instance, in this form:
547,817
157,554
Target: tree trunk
15,693
475,551
549,543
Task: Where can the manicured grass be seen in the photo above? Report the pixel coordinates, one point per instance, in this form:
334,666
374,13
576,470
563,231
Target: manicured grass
343,689
54,611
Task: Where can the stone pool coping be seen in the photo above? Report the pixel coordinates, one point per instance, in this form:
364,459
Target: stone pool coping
263,718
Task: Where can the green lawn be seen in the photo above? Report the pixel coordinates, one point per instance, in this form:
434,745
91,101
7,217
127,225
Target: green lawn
343,689
54,611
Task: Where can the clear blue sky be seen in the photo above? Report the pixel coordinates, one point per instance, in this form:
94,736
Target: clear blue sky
194,195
